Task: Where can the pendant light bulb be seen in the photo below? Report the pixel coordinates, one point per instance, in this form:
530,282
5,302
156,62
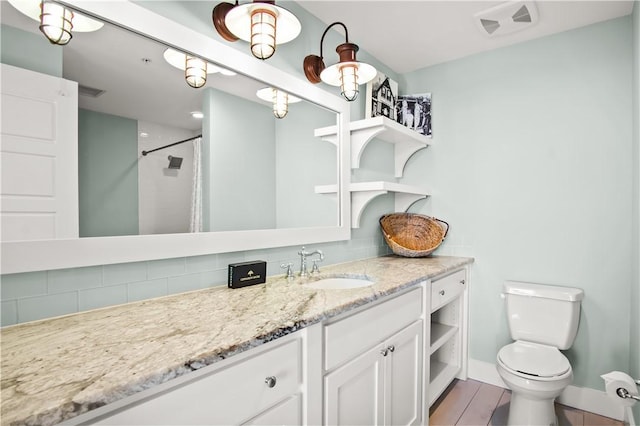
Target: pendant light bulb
348,73
349,82
195,71
260,22
280,103
56,22
263,33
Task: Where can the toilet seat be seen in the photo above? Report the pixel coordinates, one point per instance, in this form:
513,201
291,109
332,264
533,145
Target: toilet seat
534,361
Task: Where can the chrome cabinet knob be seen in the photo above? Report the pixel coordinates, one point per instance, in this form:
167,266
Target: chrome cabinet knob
462,282
270,381
391,348
441,292
384,352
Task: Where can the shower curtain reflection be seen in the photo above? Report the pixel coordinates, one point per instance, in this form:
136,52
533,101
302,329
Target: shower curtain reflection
196,188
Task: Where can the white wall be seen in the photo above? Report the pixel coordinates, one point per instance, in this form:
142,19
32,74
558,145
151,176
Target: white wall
532,164
164,194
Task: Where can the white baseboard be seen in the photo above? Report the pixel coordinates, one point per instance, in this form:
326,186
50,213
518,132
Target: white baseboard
586,399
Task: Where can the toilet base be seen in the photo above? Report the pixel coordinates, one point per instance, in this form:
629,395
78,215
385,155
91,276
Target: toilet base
527,411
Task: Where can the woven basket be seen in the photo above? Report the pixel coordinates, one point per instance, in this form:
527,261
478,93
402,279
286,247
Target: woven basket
413,235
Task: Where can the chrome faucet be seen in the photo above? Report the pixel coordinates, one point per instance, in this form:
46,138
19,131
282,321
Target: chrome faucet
303,261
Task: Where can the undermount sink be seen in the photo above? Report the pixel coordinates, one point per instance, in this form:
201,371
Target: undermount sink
340,283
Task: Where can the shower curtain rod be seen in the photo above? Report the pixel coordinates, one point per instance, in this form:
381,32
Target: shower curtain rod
171,144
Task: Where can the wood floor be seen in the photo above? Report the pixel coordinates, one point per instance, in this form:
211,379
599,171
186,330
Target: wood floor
474,403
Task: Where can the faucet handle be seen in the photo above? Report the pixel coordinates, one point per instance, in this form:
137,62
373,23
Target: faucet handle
289,268
314,268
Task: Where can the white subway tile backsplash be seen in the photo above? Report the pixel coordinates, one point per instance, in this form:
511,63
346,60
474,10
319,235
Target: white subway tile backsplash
102,297
147,289
15,286
124,273
64,280
52,305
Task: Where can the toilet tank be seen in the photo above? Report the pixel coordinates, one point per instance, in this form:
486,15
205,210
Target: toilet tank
542,313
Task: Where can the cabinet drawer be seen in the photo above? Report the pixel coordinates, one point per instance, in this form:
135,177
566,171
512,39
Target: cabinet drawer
351,336
231,395
446,289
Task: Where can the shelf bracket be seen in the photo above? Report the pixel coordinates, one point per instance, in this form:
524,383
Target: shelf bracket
402,154
404,201
360,139
359,201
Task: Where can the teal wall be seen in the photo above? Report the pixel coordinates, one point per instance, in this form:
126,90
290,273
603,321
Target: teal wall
42,56
532,164
239,188
634,339
302,162
107,174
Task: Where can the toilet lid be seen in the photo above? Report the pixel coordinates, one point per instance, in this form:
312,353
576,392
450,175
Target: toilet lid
534,359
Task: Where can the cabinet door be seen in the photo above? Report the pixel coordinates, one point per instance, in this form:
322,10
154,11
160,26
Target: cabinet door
403,377
354,393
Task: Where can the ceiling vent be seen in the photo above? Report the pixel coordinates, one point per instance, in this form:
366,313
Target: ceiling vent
507,18
91,92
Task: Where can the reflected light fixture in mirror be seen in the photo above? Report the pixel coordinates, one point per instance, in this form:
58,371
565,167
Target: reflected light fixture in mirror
195,69
279,99
348,73
56,21
263,24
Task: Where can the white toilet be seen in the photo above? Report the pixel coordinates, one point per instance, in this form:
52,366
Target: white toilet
542,320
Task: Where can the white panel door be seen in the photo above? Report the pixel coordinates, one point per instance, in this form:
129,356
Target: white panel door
403,377
354,393
38,156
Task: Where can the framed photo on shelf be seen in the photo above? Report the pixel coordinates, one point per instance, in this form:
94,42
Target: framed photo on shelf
414,112
381,98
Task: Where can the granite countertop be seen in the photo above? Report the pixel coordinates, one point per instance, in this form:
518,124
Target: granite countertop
56,369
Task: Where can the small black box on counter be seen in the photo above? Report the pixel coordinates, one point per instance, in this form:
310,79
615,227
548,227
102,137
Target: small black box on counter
247,273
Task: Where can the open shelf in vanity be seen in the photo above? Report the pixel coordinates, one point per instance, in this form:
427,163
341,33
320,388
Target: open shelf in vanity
447,345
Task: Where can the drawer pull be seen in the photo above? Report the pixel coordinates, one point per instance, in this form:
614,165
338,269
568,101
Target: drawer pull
462,282
384,352
270,381
441,292
391,348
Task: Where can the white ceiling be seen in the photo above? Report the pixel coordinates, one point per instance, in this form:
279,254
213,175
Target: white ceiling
409,35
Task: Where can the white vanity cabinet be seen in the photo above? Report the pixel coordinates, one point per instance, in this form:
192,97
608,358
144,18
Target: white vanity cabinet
383,363
448,336
373,364
262,388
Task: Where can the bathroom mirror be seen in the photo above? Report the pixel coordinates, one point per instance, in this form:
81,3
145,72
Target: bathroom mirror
260,171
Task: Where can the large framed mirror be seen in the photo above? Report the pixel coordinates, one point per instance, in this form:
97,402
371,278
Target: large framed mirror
257,172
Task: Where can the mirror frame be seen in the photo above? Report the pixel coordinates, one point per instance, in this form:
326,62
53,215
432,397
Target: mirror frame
39,255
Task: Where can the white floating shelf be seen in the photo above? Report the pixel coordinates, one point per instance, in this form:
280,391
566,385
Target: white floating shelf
363,192
407,142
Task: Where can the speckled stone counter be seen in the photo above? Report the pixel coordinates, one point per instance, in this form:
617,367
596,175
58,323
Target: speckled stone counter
56,369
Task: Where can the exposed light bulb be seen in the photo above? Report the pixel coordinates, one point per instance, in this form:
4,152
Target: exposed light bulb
56,22
195,71
349,82
263,33
280,103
